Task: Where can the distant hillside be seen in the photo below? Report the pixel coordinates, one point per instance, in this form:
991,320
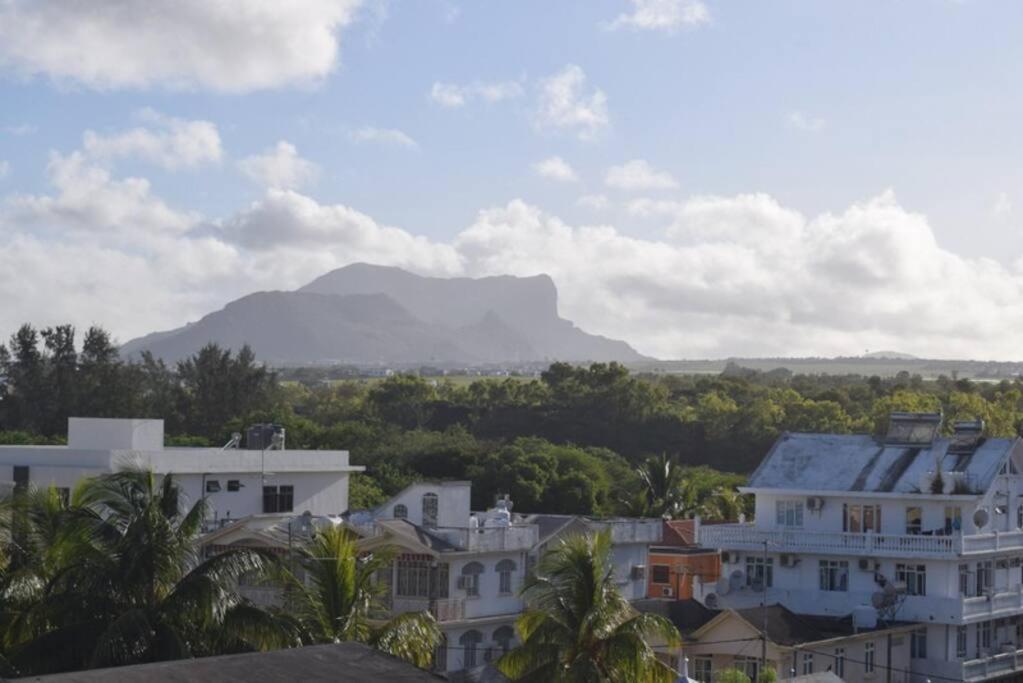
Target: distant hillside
372,315
856,365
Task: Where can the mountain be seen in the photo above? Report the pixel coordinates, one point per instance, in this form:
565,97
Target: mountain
372,315
890,355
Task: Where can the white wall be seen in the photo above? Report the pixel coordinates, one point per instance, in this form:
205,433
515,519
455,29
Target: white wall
453,503
490,601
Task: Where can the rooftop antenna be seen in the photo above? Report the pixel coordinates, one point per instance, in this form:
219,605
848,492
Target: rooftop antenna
236,439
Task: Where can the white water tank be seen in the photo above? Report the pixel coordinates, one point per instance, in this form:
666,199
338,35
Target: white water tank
864,616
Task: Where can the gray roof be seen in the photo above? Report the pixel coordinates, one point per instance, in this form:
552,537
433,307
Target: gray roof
340,662
860,462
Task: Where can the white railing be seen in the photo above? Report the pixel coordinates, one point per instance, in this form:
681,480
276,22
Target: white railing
488,539
443,610
748,537
982,669
634,530
996,540
1001,600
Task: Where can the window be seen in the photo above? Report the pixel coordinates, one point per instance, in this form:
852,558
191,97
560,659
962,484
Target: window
504,636
985,572
790,512
840,662
471,579
755,568
414,575
834,575
661,573
440,655
400,511
212,486
964,580
807,663
953,520
278,498
861,518
20,478
914,520
504,573
983,637
1019,516
868,657
703,669
430,510
749,666
918,644
234,485
914,576
470,642
961,642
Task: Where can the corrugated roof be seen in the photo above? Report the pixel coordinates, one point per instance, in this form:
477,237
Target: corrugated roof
860,462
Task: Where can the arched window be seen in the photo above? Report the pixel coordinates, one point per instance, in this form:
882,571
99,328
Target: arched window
504,636
470,641
430,510
504,571
471,579
400,511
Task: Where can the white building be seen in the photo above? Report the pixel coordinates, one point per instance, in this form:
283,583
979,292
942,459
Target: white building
236,482
913,527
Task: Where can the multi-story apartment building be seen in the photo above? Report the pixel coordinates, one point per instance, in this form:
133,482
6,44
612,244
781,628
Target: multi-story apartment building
466,568
909,527
235,481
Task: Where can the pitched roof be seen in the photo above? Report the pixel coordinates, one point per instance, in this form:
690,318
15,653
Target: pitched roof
405,529
787,628
679,532
337,662
861,462
687,615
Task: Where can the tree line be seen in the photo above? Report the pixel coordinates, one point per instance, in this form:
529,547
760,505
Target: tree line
591,439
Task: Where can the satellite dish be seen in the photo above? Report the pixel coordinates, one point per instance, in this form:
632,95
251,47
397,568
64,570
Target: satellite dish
890,589
711,601
878,600
981,517
736,580
757,584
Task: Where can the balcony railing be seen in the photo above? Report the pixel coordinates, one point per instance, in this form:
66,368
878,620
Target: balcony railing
442,610
749,537
995,665
489,539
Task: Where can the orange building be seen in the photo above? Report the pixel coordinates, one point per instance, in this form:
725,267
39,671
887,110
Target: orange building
677,559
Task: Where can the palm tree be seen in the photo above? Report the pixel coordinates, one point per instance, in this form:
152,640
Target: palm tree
126,583
662,478
579,628
340,595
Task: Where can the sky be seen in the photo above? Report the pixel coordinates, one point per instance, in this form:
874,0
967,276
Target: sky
702,178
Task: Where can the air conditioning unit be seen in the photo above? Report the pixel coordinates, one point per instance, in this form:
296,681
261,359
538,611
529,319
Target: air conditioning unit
711,601
868,565
666,592
788,560
814,503
462,582
638,572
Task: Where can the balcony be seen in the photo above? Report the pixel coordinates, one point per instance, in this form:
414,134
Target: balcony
443,610
749,537
994,666
1001,602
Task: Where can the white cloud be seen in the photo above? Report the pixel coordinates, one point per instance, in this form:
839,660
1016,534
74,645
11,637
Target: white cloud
384,136
594,202
279,166
5,168
176,143
555,168
20,129
454,95
736,275
663,15
639,175
800,121
1002,206
564,104
222,46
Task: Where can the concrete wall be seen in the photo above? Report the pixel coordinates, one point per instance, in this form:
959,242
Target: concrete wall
490,601
453,503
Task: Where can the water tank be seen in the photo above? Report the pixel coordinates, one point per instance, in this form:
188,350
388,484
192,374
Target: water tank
260,436
864,616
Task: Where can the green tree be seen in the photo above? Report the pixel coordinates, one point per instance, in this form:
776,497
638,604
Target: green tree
341,595
578,627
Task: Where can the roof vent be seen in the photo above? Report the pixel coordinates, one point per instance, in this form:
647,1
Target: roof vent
966,436
912,429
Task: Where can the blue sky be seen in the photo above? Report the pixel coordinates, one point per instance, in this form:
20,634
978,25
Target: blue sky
805,177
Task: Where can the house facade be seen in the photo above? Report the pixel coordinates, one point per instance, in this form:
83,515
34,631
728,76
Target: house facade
235,481
911,527
678,561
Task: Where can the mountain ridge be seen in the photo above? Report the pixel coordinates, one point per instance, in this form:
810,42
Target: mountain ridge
363,314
